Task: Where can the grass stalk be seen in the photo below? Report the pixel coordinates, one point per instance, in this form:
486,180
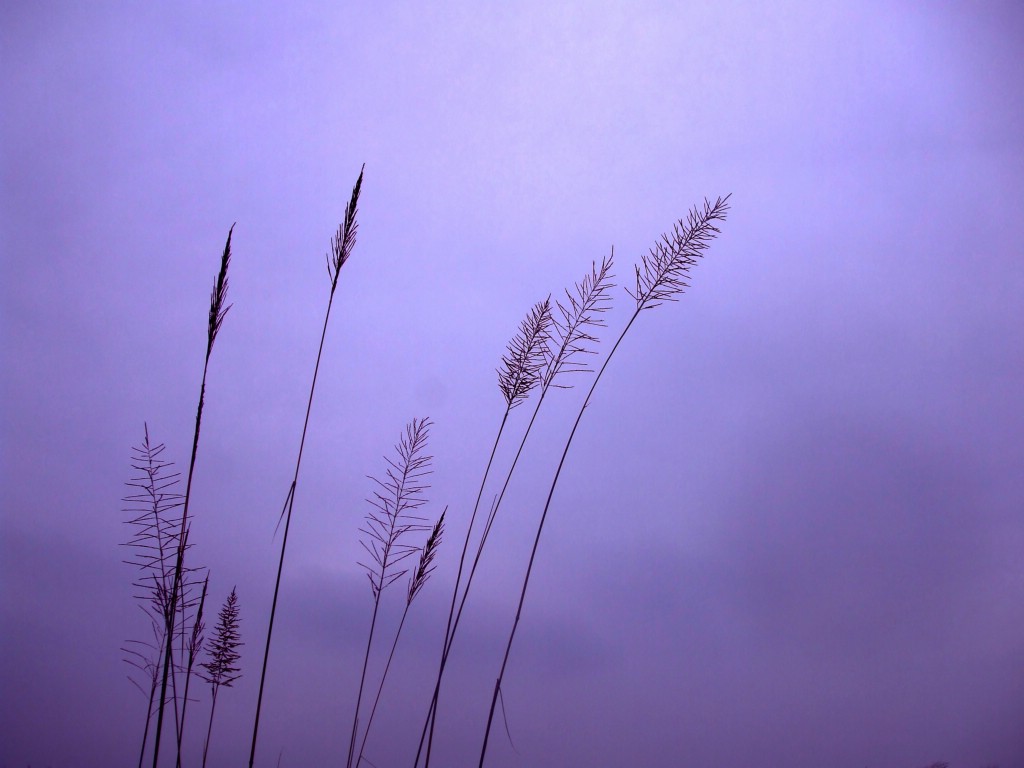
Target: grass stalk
661,276
562,352
218,309
387,523
194,646
518,375
222,669
416,582
341,249
152,514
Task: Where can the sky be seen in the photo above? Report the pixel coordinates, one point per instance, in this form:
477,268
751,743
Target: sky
789,530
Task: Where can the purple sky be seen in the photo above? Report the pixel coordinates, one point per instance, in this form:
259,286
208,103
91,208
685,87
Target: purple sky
790,532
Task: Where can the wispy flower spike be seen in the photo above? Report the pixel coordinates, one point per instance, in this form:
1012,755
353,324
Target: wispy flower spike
661,279
572,337
389,518
344,243
662,274
218,298
345,239
386,525
222,669
527,354
426,566
223,652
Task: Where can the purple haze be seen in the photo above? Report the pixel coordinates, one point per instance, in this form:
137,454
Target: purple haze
790,531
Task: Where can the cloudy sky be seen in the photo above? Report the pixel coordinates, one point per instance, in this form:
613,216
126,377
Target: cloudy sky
789,531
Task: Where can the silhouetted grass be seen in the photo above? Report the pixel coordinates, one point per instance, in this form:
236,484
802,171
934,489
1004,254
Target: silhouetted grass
552,341
223,652
341,249
660,277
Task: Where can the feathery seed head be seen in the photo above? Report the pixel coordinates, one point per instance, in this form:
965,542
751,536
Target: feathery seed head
219,295
526,355
662,274
572,337
344,239
390,517
426,567
223,652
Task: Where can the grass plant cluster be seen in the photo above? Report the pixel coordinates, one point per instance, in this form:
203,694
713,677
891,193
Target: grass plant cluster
555,345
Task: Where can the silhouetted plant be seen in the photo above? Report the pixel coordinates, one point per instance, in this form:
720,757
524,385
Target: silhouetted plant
218,310
660,277
341,249
548,343
416,582
222,669
193,646
387,526
155,511
552,353
517,376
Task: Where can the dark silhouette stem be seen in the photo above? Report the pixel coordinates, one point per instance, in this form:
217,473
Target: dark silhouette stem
536,540
287,514
209,728
380,688
178,568
429,722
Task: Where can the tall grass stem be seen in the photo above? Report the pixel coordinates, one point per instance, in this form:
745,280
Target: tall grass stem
342,245
662,277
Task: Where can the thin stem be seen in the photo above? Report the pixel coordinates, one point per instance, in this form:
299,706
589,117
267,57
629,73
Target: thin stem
342,245
428,723
662,278
581,312
209,728
217,312
287,514
380,688
362,680
536,541
194,645
385,525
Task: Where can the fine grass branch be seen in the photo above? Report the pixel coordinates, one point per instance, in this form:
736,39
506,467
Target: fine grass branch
342,245
387,526
218,310
661,276
561,346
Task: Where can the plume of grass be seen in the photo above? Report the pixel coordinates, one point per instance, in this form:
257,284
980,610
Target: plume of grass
342,244
416,582
387,525
561,348
222,669
661,276
218,310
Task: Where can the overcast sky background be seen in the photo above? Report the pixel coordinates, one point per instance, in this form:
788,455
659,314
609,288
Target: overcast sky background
790,531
